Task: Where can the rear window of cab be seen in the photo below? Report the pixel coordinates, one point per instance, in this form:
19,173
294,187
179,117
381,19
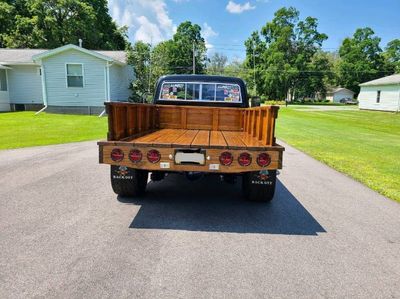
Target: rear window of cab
201,91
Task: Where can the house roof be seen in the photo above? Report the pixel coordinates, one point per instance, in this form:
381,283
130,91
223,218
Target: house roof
18,56
337,89
27,56
389,80
116,55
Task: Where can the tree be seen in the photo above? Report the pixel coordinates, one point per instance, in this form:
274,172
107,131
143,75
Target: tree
318,77
236,68
283,54
6,20
361,59
187,37
51,23
216,64
255,49
392,56
172,56
139,58
160,61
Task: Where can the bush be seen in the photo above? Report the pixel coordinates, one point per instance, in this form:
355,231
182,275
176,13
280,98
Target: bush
273,102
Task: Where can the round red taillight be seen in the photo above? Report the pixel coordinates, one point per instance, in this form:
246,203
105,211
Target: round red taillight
153,156
117,155
244,159
135,155
226,158
263,159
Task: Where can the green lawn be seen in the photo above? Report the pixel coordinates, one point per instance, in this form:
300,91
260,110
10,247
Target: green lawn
22,129
363,144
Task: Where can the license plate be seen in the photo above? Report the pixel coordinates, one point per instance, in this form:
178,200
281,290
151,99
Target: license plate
186,157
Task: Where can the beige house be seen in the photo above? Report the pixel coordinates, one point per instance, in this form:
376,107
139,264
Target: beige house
336,94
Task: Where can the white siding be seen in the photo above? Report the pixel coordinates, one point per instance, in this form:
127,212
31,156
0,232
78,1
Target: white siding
389,100
93,91
24,84
4,101
342,94
120,79
4,98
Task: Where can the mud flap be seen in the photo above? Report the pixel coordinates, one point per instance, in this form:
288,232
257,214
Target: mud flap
122,173
127,181
259,185
263,177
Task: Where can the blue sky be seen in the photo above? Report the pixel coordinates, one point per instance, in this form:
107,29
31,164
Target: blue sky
228,23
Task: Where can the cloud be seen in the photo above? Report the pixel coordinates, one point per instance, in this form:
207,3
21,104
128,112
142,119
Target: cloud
237,8
147,31
147,21
207,32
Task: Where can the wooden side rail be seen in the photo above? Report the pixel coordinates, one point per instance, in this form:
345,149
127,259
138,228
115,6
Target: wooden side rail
200,117
259,122
127,120
131,120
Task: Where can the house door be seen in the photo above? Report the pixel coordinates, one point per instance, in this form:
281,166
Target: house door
4,95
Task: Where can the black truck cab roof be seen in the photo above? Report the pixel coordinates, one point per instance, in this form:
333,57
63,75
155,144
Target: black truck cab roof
201,90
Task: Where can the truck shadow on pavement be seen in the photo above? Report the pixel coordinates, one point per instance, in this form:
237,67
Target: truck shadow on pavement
213,206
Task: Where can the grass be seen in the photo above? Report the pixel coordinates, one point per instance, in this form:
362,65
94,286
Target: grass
318,104
23,129
362,144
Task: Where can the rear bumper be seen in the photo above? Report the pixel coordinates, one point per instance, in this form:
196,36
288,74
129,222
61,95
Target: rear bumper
212,163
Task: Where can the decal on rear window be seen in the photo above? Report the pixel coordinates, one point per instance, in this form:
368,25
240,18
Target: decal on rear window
196,91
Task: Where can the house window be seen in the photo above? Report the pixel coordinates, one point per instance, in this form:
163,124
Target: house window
3,80
378,96
74,75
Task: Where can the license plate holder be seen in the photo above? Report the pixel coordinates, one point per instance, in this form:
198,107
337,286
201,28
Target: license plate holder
190,157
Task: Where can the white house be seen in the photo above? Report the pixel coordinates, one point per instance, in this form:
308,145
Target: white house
68,79
339,93
381,94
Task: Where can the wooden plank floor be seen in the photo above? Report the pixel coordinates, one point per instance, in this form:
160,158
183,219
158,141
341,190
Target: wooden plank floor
199,138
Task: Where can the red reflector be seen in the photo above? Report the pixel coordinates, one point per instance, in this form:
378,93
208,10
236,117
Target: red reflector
226,158
135,156
263,159
154,156
244,159
117,155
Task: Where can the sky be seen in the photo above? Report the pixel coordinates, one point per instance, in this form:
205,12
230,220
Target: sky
226,24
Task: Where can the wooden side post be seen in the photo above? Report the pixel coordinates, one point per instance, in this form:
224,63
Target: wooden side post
215,119
183,118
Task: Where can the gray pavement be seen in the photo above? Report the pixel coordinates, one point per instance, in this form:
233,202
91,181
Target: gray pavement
64,234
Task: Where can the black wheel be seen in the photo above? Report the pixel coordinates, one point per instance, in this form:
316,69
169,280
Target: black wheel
259,185
127,181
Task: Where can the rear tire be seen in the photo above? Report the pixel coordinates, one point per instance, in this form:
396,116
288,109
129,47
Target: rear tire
127,181
259,185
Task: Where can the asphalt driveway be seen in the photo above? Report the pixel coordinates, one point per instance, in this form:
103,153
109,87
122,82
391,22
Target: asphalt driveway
64,234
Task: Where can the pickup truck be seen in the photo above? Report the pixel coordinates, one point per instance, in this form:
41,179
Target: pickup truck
196,125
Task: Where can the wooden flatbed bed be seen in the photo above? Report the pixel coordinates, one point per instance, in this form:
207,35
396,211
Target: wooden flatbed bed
170,128
197,124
